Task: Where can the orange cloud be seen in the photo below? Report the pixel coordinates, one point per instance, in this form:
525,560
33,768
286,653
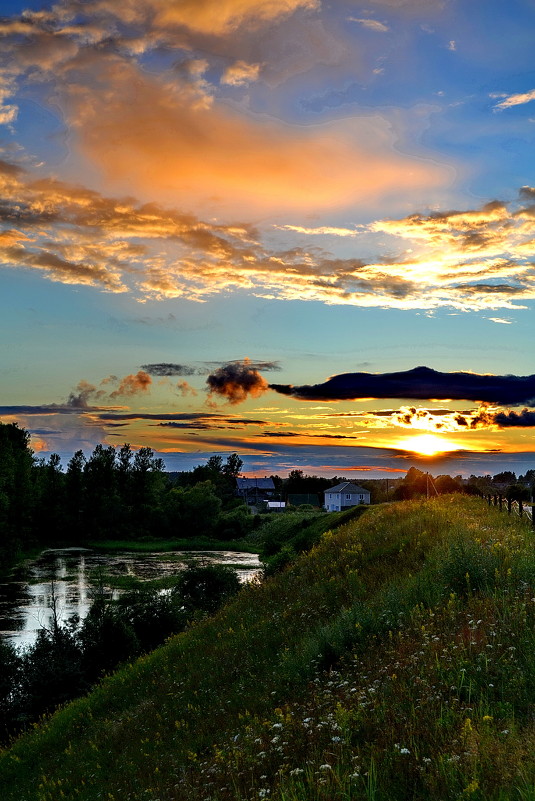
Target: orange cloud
220,17
132,385
166,137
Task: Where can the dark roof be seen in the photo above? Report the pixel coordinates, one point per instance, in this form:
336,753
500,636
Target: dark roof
258,483
346,486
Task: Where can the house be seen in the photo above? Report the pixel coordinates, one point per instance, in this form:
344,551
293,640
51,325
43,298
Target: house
345,495
255,490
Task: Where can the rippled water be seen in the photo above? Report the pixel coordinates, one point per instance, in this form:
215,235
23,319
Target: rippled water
63,576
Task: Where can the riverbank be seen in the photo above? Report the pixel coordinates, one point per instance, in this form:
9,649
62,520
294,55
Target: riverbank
394,661
163,546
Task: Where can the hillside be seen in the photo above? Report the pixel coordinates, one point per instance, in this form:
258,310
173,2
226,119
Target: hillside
394,661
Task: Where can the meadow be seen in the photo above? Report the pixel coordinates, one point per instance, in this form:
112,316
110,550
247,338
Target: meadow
394,661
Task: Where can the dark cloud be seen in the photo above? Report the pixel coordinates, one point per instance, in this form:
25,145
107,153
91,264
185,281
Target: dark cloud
80,396
306,434
236,381
193,420
50,408
255,365
168,369
523,419
421,383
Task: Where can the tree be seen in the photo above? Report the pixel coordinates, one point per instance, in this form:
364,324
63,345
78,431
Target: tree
233,466
17,493
193,511
215,464
507,477
102,512
206,587
74,489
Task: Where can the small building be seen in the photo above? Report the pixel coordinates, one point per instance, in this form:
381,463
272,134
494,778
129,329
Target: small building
275,506
255,490
344,496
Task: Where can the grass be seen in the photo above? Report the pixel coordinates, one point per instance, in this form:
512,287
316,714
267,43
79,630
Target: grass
395,661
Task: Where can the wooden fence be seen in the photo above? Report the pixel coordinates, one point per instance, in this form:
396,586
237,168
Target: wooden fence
519,508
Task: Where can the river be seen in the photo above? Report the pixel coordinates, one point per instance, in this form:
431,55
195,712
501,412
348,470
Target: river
63,576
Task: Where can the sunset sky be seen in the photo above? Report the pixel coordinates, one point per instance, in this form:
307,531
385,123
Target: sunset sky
237,225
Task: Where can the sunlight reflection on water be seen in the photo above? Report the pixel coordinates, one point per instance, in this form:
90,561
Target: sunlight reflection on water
26,599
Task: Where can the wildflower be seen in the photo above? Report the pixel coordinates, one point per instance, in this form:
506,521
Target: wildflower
404,751
487,718
471,788
296,771
336,739
264,792
325,767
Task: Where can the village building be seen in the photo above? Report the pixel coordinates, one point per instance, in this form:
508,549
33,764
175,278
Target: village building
255,490
344,496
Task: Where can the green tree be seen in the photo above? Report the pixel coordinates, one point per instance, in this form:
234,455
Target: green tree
232,466
17,491
206,587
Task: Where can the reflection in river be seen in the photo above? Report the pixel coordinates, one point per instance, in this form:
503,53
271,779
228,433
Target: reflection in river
63,577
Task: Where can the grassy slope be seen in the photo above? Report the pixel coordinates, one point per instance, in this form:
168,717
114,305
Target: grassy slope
395,661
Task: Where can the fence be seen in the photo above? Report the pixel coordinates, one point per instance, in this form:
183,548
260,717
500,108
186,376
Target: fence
519,508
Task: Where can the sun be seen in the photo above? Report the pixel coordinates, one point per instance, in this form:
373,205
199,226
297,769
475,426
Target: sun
429,444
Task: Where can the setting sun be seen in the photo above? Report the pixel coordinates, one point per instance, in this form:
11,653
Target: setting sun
429,444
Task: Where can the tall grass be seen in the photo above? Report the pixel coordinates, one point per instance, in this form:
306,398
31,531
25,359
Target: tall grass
394,661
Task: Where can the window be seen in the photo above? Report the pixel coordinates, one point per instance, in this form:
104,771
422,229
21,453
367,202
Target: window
348,497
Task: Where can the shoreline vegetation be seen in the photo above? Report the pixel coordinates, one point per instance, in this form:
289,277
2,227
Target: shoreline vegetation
394,661
164,546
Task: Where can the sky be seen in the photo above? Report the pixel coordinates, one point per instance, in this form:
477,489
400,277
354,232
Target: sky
298,230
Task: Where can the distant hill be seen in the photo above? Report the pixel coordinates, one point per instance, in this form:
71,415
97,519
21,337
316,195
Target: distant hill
394,661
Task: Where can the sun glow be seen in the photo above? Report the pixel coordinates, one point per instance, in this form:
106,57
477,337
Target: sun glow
429,444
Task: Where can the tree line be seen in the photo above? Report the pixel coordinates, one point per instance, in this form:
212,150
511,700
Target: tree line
112,494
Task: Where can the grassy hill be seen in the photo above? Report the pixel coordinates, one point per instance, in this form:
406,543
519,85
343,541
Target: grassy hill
394,661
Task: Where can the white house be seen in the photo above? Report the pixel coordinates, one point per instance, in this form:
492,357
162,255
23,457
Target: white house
345,495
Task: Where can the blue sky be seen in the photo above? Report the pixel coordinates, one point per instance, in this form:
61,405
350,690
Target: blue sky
321,188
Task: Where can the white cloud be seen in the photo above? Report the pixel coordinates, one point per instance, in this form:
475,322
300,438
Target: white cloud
515,100
371,24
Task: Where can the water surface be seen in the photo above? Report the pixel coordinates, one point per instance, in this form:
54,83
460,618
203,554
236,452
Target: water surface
62,577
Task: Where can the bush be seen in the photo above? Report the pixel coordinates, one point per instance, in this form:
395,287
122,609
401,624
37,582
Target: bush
206,587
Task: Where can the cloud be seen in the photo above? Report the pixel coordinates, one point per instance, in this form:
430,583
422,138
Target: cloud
523,419
132,385
248,162
194,421
221,17
79,397
515,100
240,74
306,435
468,260
371,24
422,383
236,381
265,366
450,421
185,389
168,369
170,133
